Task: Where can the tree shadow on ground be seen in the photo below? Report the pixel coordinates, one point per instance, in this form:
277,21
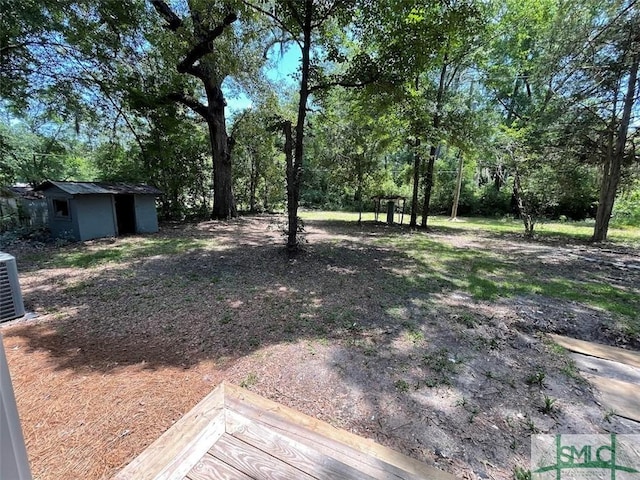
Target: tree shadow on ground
433,369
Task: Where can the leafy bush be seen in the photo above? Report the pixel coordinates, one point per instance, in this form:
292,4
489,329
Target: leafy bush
626,210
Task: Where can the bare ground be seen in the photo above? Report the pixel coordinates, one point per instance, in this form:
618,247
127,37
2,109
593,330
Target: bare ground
123,347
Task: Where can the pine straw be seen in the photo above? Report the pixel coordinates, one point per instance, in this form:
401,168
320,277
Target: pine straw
90,424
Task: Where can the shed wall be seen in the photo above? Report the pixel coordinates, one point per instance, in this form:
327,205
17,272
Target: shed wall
95,216
62,227
146,214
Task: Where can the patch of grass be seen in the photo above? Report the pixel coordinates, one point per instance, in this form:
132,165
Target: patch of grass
443,365
401,386
520,473
490,275
124,250
536,378
548,405
250,380
530,425
607,416
413,333
77,287
466,319
571,370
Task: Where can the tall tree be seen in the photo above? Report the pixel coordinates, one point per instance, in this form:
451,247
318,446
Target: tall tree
197,36
316,28
424,47
623,95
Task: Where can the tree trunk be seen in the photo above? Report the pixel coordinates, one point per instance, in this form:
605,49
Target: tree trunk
428,178
417,160
613,164
193,63
456,196
428,186
253,185
295,169
224,205
293,189
526,216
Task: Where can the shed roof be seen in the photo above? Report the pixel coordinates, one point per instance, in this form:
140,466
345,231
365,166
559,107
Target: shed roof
114,188
20,190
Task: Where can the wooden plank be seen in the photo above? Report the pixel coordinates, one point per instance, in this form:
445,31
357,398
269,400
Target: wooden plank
210,468
180,448
321,435
598,350
253,462
368,464
621,397
606,368
296,454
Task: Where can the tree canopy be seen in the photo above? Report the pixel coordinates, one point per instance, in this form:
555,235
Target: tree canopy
525,108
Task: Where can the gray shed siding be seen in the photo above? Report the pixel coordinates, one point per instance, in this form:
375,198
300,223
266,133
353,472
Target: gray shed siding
96,216
146,214
63,227
87,210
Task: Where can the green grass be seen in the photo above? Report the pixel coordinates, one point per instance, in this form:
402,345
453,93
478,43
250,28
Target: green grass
488,275
577,231
83,256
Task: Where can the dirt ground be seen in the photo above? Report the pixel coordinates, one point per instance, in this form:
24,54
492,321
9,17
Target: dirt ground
130,335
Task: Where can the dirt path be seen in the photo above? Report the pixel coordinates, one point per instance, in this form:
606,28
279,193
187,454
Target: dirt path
132,332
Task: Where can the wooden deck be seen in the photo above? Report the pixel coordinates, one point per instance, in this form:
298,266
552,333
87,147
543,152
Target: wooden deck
235,434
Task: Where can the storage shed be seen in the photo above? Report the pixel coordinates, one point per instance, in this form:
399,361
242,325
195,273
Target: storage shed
87,210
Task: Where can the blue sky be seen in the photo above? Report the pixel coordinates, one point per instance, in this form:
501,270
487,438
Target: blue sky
282,74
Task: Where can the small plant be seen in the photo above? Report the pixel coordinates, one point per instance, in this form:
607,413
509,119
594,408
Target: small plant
536,379
432,382
249,381
466,319
473,412
401,386
548,406
520,473
530,425
415,335
607,416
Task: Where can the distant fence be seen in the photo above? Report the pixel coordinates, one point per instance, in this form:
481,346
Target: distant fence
18,212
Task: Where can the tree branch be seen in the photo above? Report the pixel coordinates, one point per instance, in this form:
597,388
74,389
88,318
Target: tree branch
279,22
327,13
206,45
344,83
191,102
295,13
174,22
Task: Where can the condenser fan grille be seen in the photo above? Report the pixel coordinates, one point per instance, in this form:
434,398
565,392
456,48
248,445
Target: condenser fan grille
11,305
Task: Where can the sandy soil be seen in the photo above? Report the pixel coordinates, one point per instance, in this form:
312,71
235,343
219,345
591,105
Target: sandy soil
122,348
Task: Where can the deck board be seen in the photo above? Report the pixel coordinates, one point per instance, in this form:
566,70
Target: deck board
288,450
374,459
235,434
175,453
209,467
253,461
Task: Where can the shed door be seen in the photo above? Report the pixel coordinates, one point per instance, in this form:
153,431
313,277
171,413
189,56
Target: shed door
125,214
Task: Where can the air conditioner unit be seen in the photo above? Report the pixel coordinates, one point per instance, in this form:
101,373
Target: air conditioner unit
11,304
